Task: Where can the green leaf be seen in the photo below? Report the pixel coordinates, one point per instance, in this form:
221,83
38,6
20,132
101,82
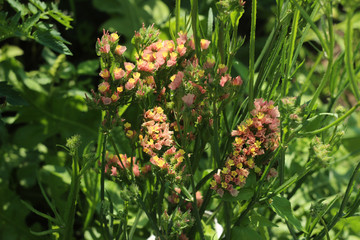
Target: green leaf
12,96
235,17
30,22
61,18
49,40
258,220
88,67
18,7
282,207
34,85
39,4
29,135
244,233
158,10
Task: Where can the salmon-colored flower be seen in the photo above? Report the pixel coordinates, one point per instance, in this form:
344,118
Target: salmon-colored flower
176,81
204,44
103,87
129,66
237,81
188,99
105,74
119,50
118,73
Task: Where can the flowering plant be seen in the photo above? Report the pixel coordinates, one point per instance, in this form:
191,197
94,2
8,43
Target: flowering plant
192,144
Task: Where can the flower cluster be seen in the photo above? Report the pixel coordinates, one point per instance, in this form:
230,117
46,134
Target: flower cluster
162,66
253,138
157,141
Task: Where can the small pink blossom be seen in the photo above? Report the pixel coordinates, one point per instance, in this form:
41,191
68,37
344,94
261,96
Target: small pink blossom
106,100
182,38
103,87
192,43
237,81
115,97
177,81
113,171
188,99
130,84
118,73
119,50
222,69
210,63
129,66
105,74
136,170
181,49
224,79
204,44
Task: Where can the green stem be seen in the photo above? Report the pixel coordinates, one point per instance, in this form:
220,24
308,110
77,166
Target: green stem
72,199
194,205
227,210
336,122
344,202
194,24
252,55
102,182
349,55
177,15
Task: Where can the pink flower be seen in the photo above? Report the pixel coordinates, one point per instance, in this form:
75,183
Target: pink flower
105,48
181,49
188,99
113,37
105,74
192,43
129,66
136,170
182,38
224,79
130,84
119,50
113,171
204,44
222,69
237,81
118,73
210,63
103,87
220,192
106,100
115,97
177,81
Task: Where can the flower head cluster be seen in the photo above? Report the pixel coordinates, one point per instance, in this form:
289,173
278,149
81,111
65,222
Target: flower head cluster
157,141
253,138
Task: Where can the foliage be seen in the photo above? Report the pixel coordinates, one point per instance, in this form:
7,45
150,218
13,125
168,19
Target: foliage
184,136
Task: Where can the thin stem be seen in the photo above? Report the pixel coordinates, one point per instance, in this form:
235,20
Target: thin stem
72,200
252,55
344,202
177,15
349,55
194,24
336,122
